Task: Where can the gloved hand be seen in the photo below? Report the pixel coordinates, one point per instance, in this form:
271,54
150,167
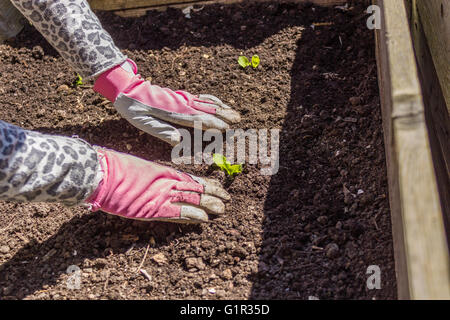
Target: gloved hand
139,189
149,107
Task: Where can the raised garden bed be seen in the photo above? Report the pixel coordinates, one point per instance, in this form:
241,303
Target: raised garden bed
312,229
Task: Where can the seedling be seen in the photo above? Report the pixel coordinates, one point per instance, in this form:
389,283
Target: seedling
223,164
255,61
244,62
78,81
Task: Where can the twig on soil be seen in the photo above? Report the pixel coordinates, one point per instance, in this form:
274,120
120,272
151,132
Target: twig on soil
107,280
104,103
128,252
7,227
145,274
41,291
375,222
143,259
80,104
376,225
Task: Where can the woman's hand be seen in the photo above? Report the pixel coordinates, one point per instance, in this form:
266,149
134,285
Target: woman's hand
151,108
139,189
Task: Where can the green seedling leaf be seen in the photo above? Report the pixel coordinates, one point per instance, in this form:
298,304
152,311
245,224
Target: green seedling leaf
243,62
224,165
78,81
255,61
234,169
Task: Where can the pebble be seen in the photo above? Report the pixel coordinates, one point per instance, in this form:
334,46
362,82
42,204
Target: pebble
195,263
332,250
355,100
159,258
63,87
37,52
212,291
7,290
220,293
240,252
322,219
4,249
227,274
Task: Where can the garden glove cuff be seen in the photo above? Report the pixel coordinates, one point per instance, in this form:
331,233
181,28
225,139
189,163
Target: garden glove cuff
139,189
151,108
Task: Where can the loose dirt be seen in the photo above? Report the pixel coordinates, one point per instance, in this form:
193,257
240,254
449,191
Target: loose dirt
312,229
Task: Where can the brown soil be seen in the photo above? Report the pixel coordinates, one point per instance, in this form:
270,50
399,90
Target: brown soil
305,231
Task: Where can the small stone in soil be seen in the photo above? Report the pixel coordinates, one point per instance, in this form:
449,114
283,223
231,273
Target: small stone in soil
332,250
227,274
4,249
195,263
159,258
220,293
355,100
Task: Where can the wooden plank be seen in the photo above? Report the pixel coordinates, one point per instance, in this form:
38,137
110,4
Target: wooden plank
420,244
392,163
436,110
113,5
130,4
435,18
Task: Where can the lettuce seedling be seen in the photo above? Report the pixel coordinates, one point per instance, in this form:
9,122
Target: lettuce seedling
244,62
222,162
255,61
78,81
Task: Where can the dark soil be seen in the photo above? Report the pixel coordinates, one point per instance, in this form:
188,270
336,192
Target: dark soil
310,230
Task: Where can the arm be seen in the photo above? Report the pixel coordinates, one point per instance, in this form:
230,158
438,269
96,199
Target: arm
51,168
76,33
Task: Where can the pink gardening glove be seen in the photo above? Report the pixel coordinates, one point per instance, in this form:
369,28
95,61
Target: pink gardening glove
139,189
149,107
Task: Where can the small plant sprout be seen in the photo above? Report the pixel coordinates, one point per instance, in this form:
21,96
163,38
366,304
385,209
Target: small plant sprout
255,61
244,62
78,81
223,164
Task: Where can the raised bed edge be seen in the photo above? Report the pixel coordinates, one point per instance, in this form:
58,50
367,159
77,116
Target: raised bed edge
436,108
420,244
136,8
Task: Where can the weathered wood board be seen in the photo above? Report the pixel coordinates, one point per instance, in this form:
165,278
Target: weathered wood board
133,4
434,16
436,109
132,8
420,243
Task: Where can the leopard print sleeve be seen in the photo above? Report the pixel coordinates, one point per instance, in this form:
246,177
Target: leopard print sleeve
75,32
47,168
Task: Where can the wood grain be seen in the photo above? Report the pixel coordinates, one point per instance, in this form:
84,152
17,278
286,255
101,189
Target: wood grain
420,244
436,110
132,8
435,18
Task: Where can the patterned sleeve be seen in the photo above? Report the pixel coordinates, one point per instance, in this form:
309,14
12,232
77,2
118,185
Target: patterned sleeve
73,29
47,168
